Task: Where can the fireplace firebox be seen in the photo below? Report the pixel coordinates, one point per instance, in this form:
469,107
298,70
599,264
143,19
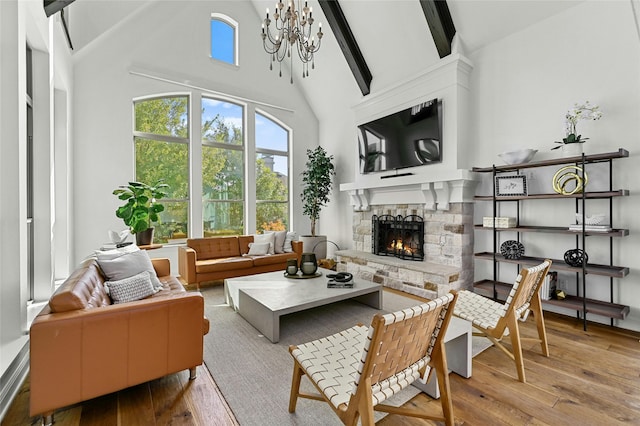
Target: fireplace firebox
398,236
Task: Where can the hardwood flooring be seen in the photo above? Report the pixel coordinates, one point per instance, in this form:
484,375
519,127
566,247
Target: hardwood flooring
591,378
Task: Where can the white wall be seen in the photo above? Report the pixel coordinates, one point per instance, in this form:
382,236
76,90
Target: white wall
22,23
521,87
168,39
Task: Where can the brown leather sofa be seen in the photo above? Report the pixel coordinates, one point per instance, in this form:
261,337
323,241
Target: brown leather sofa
82,346
216,258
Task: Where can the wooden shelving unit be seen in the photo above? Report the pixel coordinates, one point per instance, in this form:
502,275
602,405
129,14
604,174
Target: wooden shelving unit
581,304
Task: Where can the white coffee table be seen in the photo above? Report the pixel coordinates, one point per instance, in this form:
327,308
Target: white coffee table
458,345
263,298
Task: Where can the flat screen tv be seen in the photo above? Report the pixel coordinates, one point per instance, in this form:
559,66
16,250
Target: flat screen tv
407,138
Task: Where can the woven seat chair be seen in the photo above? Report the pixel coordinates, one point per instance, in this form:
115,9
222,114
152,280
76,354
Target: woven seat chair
359,368
496,320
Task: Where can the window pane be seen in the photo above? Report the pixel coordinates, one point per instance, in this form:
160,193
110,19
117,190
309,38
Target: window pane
223,218
164,160
272,216
165,116
222,174
270,135
173,222
221,122
271,184
222,41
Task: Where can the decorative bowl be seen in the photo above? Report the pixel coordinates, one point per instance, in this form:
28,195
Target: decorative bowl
519,156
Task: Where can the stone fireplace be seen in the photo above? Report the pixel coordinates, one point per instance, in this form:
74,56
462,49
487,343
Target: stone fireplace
448,250
398,236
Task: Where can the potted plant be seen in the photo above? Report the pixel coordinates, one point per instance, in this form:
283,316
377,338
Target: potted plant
584,111
141,208
316,182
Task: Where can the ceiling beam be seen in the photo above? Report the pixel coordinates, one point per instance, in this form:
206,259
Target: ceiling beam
346,40
53,6
440,24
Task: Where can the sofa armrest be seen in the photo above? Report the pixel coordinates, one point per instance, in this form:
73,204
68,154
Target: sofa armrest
187,264
78,355
162,266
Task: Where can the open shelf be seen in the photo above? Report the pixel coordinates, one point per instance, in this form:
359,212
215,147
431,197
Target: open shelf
556,230
560,265
597,307
581,201
548,196
594,158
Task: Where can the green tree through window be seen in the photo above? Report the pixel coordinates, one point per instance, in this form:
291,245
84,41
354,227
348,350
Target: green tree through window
162,139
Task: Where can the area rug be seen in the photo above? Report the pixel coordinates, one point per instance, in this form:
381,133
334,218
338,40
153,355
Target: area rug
254,375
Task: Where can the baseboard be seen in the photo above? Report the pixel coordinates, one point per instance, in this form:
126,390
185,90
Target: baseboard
12,379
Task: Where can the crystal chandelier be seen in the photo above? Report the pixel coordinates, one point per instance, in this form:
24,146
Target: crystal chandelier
292,32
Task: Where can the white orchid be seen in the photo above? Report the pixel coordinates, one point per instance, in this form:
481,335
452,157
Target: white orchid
585,111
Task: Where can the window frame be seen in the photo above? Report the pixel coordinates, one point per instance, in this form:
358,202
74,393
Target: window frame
286,154
166,138
235,26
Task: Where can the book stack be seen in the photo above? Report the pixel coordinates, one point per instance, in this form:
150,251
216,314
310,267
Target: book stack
590,228
548,288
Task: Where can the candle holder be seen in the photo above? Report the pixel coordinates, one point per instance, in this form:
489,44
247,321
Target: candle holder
292,266
308,263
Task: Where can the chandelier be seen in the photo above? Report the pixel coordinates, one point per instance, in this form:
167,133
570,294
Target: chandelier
292,32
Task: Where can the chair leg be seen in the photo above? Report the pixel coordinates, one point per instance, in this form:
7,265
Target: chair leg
193,373
295,386
365,406
516,345
536,307
442,371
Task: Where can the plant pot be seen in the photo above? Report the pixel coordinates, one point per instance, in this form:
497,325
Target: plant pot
145,238
571,149
317,245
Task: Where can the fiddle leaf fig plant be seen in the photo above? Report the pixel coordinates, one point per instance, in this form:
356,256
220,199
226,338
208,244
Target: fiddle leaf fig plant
141,208
316,182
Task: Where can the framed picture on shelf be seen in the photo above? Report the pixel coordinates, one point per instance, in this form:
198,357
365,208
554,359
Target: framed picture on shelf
511,185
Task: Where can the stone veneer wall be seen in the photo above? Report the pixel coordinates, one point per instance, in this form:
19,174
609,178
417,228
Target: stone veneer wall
448,243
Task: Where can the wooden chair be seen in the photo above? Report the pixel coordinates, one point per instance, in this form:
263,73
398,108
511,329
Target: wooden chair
495,320
359,368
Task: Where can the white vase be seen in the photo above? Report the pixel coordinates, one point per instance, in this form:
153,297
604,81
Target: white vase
571,149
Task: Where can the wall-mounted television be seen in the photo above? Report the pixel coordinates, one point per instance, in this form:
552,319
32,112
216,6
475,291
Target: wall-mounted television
407,138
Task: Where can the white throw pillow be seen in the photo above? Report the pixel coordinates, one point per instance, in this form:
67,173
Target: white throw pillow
280,236
291,236
130,289
128,265
266,238
114,253
259,249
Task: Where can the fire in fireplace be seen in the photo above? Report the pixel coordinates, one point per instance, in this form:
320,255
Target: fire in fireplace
398,236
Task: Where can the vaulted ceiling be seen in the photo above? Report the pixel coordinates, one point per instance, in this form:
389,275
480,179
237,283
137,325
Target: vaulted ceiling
393,36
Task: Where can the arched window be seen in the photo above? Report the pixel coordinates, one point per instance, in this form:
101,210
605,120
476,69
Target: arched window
224,38
161,137
272,174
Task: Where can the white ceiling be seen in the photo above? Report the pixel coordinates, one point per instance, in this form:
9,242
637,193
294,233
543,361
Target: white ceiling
393,36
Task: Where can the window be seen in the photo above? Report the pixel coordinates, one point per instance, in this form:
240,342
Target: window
222,168
161,138
236,198
224,34
272,175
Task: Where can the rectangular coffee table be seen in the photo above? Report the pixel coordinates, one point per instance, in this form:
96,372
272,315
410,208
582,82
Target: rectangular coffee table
263,298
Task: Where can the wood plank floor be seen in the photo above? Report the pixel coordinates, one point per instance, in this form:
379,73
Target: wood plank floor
591,378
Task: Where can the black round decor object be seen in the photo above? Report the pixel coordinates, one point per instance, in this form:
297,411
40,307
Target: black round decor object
512,249
574,257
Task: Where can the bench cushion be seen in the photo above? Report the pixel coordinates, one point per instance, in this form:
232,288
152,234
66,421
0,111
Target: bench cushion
223,264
